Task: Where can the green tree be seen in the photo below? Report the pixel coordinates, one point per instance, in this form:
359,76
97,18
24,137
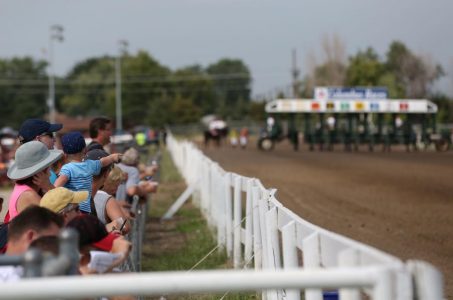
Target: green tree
183,111
145,81
194,83
23,90
445,108
91,86
257,112
416,74
364,69
158,112
232,81
395,90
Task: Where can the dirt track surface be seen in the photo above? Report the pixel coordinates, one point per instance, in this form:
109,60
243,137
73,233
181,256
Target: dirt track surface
401,203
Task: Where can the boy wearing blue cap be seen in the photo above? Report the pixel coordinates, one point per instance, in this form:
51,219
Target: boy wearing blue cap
77,174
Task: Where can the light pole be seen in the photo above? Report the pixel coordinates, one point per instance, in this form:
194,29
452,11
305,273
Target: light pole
56,34
122,48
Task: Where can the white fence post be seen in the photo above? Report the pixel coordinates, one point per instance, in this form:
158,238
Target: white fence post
237,208
429,281
383,287
263,208
210,203
273,246
273,239
205,200
290,261
248,223
228,216
349,258
312,260
221,211
257,240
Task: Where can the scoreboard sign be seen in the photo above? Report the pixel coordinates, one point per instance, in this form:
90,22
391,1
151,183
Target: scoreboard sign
392,106
343,93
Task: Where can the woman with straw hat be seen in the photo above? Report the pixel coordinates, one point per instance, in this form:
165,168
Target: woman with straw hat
30,170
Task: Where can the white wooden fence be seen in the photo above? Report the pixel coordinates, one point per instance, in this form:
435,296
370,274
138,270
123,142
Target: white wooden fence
258,232
284,252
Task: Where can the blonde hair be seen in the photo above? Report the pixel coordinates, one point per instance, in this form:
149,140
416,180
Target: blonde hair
115,176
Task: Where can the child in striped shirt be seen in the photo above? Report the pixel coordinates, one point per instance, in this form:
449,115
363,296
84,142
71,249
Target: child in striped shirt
76,174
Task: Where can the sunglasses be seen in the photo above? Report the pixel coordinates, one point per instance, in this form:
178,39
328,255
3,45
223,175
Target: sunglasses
48,134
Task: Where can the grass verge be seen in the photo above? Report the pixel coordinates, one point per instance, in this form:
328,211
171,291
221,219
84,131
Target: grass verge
179,243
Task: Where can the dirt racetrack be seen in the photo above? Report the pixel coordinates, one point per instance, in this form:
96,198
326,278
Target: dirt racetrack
401,203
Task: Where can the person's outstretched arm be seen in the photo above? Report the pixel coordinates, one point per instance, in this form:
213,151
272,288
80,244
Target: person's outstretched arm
112,158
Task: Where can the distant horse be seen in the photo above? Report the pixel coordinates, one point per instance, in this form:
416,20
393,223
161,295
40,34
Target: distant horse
216,135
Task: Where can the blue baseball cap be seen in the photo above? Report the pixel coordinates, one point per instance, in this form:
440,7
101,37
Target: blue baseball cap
32,128
73,142
96,154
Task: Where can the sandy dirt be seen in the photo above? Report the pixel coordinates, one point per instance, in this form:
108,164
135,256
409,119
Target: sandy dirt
401,203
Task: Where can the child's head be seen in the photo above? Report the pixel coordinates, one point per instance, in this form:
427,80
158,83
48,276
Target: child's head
130,157
73,143
114,179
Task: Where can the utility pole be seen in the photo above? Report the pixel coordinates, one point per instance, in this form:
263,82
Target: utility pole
56,34
122,49
295,73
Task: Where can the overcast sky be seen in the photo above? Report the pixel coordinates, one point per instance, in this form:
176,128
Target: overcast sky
260,32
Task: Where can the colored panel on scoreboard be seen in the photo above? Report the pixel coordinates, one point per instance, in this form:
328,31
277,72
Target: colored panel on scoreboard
301,106
286,105
359,106
315,106
330,106
374,106
344,106
404,106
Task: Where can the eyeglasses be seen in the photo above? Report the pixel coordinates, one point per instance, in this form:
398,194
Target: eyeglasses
69,208
48,134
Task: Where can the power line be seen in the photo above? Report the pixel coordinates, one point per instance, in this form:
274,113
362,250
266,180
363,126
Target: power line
141,90
129,79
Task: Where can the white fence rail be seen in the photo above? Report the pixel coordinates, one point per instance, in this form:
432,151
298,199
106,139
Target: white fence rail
166,283
258,231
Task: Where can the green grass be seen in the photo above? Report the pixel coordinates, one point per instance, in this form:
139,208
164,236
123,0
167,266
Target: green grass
180,243
169,172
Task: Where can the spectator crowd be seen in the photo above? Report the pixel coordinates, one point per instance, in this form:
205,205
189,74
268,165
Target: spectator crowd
80,186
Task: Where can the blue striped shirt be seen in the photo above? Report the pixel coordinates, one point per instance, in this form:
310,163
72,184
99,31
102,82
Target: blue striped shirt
80,178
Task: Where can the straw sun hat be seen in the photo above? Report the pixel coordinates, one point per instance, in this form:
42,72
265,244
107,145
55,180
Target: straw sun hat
31,158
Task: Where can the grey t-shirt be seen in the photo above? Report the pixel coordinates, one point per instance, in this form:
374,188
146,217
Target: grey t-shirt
133,178
100,202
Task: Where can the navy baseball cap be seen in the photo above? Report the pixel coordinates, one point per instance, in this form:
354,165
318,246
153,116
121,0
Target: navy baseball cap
73,142
32,128
96,154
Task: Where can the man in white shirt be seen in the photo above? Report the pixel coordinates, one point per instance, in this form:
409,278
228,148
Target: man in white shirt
31,224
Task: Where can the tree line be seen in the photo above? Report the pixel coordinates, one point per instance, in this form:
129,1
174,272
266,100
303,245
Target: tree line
404,73
155,95
152,94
